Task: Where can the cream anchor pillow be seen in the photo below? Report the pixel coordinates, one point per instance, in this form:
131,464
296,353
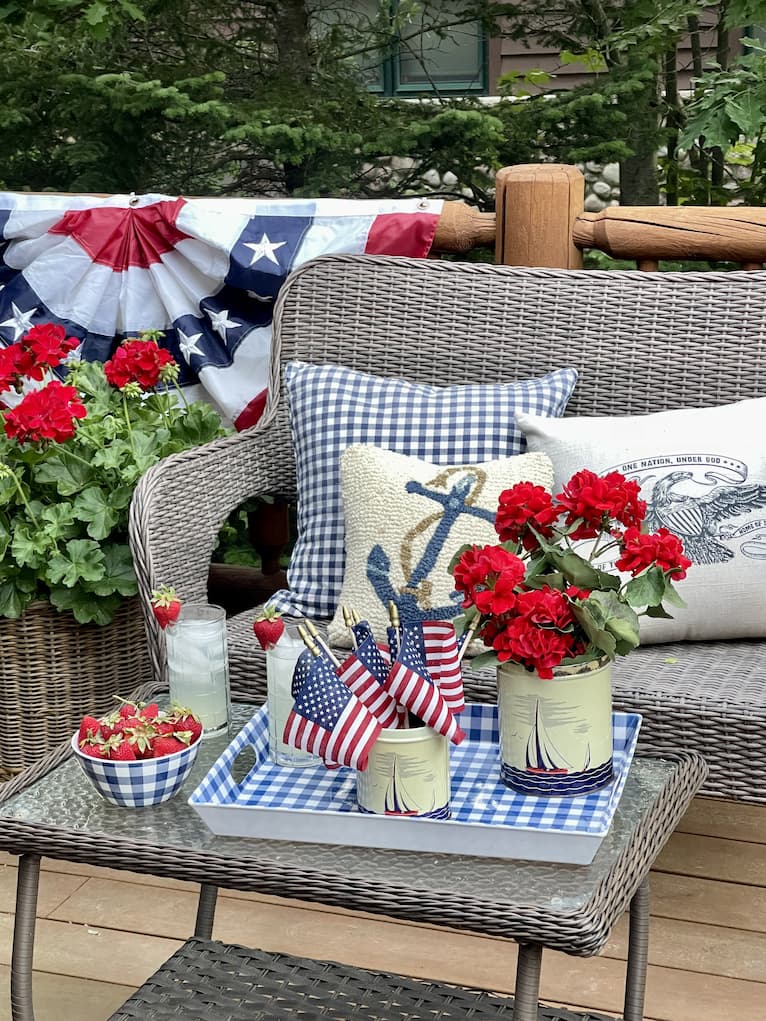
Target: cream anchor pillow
405,519
702,472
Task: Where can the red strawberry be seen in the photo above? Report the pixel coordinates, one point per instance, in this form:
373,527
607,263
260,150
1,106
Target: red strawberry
164,727
128,709
142,739
185,720
89,727
94,749
166,605
122,751
127,723
268,628
166,746
150,712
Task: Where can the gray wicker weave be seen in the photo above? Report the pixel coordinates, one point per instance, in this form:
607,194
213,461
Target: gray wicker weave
208,981
54,670
641,341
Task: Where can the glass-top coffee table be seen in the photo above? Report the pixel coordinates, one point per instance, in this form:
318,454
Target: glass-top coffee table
52,811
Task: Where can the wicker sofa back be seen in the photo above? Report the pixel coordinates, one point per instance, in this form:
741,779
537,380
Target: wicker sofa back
642,342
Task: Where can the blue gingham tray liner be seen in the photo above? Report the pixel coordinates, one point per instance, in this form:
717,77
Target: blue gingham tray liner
477,794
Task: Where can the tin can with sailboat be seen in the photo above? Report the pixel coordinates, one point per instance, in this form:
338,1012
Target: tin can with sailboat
407,775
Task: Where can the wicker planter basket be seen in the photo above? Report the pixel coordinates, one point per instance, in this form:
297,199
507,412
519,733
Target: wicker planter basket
54,670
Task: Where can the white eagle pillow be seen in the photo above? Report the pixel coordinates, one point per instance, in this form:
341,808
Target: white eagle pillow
702,472
406,518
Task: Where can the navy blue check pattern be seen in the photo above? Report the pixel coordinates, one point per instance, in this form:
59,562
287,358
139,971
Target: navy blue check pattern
332,407
140,782
478,797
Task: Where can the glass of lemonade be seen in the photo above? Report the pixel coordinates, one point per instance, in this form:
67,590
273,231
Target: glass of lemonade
198,665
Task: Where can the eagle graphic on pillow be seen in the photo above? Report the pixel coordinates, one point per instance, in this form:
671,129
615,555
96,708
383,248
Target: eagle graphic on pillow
700,520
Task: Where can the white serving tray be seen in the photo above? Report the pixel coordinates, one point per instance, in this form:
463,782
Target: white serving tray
316,805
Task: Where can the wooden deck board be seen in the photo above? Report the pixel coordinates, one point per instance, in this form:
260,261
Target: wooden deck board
707,953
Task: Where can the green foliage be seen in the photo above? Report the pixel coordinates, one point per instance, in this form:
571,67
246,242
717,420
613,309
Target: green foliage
64,505
188,97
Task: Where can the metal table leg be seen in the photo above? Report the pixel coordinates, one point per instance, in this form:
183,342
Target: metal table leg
638,953
27,883
203,927
527,994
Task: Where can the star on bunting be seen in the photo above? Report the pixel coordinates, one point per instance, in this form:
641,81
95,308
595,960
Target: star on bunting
264,249
221,323
188,345
19,321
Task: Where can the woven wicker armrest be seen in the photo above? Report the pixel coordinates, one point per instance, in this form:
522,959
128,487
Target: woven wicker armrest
179,506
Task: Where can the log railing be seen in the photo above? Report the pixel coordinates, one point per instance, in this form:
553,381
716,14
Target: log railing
541,222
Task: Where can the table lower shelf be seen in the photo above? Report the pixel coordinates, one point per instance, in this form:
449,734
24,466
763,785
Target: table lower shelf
220,982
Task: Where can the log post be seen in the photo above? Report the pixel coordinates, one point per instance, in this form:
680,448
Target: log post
537,205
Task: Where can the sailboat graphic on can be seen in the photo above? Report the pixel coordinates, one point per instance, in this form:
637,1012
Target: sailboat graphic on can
542,754
398,801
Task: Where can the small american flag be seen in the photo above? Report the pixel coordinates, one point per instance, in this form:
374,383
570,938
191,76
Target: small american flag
410,683
361,631
440,651
327,719
364,673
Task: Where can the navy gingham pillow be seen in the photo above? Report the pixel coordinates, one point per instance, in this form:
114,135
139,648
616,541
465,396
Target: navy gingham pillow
332,407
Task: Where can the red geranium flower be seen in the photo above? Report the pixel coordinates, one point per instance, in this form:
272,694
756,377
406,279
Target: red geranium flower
542,649
8,370
137,361
488,575
48,345
545,607
46,414
522,507
661,548
595,500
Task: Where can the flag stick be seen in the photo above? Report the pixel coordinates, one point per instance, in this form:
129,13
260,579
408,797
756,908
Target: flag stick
314,632
468,637
348,620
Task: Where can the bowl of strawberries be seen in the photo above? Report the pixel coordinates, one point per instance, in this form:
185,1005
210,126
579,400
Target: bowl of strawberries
138,755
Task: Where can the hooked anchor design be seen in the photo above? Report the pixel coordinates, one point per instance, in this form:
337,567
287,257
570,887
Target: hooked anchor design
413,599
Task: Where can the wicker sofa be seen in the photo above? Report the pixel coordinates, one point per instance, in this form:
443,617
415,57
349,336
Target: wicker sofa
641,341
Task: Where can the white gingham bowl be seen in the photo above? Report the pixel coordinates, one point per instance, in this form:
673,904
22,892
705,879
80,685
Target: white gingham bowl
138,782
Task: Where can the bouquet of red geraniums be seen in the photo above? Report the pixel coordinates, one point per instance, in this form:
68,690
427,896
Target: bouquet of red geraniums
71,453
571,575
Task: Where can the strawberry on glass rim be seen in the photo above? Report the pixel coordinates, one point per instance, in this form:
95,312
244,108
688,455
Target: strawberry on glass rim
166,605
268,628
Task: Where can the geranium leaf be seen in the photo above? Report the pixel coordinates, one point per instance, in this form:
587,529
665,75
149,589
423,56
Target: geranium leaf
66,474
30,547
145,452
5,535
93,506
579,572
82,560
112,456
87,607
58,519
647,589
597,635
672,596
13,601
658,611
119,573
619,619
